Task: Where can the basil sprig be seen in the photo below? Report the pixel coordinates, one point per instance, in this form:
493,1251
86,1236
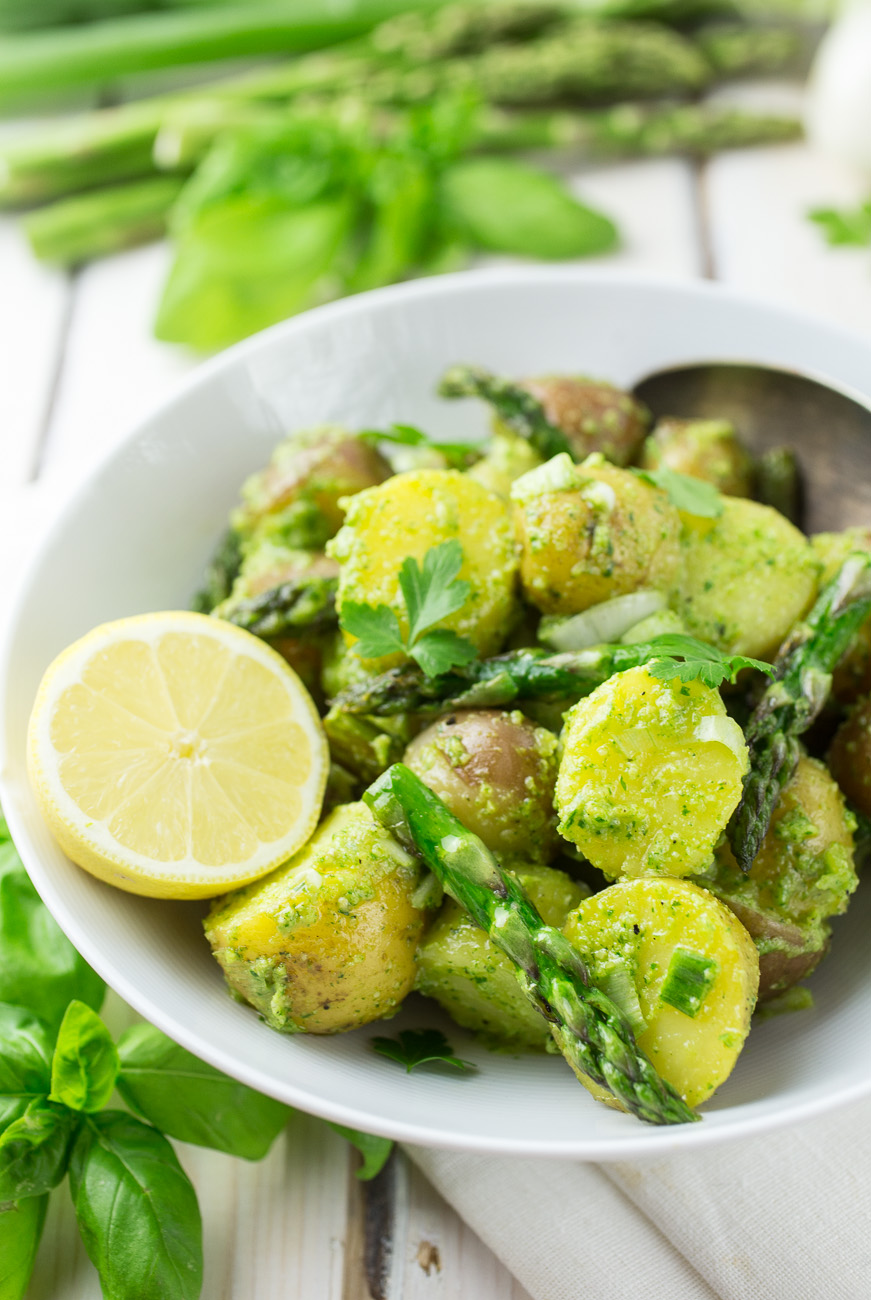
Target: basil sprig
39,967
59,1067
136,1210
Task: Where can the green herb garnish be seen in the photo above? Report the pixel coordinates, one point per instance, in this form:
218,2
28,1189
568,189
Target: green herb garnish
136,1208
413,1047
687,659
845,226
431,592
374,1150
689,980
457,454
692,495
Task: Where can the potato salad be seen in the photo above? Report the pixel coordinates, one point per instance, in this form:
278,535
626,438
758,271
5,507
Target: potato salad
598,726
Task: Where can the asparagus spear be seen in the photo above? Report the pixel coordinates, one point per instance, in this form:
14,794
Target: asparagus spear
520,674
522,412
794,699
306,602
634,130
779,483
39,62
91,225
592,1033
221,572
743,50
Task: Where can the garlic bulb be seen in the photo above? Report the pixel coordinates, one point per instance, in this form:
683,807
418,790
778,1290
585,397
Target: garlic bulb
838,115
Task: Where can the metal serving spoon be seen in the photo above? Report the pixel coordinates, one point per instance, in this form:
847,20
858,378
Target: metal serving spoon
829,430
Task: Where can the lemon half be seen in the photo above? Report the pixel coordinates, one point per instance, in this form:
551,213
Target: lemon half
175,755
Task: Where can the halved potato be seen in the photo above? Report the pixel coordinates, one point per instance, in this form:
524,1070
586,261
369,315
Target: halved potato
650,773
325,943
685,970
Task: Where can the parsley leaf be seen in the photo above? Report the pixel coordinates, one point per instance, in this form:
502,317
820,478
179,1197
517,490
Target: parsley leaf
687,659
693,495
441,650
845,226
431,592
457,454
415,1047
376,626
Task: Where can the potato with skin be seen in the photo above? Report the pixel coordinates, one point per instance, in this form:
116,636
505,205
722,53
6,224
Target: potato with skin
852,677
704,449
652,931
407,516
850,756
748,576
297,495
803,875
590,532
595,416
649,775
325,943
474,982
496,772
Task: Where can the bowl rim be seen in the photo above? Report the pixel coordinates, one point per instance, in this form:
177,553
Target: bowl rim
642,1141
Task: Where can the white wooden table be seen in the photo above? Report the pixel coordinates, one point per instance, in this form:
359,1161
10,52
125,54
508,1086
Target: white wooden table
77,367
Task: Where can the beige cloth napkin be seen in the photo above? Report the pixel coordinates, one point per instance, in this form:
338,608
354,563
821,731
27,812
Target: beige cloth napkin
784,1217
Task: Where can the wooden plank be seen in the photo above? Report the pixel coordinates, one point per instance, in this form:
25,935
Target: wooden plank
33,313
443,1258
114,371
654,205
761,239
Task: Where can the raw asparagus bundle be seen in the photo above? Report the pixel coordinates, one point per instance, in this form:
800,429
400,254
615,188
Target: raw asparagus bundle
589,62
794,699
532,674
592,1033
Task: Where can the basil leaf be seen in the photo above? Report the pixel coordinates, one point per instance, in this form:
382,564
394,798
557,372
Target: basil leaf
21,1226
374,1150
509,207
192,1101
25,1062
34,1150
136,1209
85,1062
39,967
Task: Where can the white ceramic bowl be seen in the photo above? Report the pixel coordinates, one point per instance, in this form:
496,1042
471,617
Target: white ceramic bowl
135,538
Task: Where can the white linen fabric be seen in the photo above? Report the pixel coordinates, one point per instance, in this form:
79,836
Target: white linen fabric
783,1217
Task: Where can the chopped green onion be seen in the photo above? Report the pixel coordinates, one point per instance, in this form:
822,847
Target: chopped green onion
619,985
691,976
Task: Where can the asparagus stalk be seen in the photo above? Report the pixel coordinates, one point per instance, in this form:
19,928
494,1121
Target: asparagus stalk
531,674
34,63
592,1033
742,50
779,483
635,130
105,221
221,572
794,699
512,404
305,602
